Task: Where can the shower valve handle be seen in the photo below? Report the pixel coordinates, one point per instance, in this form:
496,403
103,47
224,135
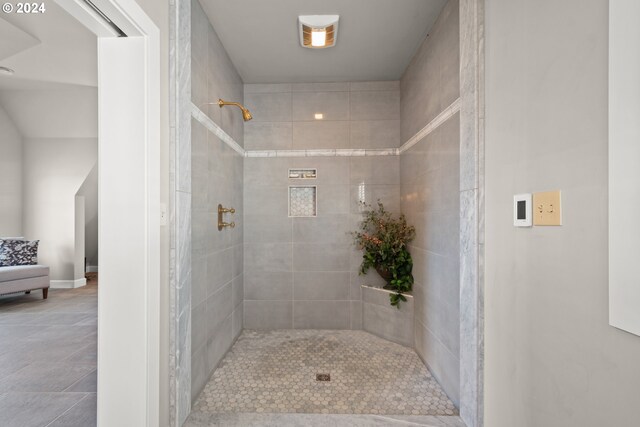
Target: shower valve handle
226,210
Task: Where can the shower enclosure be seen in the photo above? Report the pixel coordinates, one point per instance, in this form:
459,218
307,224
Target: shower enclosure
295,176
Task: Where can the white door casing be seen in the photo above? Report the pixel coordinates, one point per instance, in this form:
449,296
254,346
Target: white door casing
129,211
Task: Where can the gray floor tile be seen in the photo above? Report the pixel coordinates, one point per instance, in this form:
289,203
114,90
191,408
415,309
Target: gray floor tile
87,355
86,384
44,377
34,409
275,372
33,333
81,415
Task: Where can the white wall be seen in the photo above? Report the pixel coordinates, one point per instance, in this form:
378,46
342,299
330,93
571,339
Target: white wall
10,177
68,111
79,238
624,174
551,357
54,170
89,190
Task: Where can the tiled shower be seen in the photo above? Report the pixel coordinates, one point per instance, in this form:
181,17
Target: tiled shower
291,264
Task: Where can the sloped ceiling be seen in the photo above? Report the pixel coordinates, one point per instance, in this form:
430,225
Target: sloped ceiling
376,38
47,47
53,93
14,40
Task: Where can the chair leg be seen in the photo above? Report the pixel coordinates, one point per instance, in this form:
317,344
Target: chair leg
45,293
27,292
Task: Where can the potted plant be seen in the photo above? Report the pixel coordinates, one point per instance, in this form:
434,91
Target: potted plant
384,241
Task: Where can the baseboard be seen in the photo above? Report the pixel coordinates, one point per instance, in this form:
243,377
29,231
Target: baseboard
92,268
67,284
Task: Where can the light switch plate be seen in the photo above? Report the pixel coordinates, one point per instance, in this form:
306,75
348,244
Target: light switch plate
547,208
522,210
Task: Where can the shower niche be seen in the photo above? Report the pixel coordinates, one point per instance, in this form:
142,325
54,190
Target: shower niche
303,200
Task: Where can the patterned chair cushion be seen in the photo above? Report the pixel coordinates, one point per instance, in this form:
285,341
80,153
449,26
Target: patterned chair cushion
18,252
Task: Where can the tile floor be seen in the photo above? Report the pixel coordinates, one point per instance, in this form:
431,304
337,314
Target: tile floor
275,372
48,358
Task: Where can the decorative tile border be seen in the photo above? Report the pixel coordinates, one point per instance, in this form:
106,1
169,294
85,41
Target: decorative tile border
338,152
206,121
432,125
445,115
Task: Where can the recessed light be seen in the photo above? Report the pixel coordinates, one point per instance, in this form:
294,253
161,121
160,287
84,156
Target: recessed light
319,116
318,31
6,71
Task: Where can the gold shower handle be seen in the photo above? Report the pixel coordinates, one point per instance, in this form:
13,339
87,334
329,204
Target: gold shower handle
222,209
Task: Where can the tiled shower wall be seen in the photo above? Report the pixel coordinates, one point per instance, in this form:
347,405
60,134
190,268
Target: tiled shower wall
303,272
217,177
430,182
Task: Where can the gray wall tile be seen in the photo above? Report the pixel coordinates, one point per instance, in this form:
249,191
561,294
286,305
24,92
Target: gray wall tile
268,257
269,107
377,85
322,229
320,134
388,323
356,315
320,87
268,228
320,257
268,285
375,105
310,258
321,315
375,134
321,285
333,105
383,170
430,197
268,314
268,135
267,88
217,177
219,344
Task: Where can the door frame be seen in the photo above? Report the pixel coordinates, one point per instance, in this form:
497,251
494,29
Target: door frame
129,211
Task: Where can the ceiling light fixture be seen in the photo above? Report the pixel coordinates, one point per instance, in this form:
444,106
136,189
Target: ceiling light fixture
318,31
6,71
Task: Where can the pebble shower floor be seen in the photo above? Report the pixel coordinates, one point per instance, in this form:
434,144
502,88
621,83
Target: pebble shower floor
275,371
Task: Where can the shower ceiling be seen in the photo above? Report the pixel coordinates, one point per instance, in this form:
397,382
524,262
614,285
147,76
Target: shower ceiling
377,38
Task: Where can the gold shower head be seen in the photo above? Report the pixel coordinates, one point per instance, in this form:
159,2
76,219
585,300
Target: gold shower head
246,115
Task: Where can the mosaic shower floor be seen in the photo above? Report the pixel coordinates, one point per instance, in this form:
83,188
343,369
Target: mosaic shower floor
275,372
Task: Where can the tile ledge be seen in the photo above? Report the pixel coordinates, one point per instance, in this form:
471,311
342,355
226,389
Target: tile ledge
406,294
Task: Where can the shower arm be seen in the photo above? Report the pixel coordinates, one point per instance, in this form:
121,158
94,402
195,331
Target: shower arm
222,103
246,114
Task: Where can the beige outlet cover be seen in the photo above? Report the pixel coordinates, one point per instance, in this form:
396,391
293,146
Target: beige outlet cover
547,209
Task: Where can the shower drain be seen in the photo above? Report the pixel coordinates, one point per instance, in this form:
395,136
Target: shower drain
323,377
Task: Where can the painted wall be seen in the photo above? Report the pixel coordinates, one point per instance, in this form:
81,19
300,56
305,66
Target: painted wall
10,177
89,190
551,357
430,183
303,272
216,178
54,169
